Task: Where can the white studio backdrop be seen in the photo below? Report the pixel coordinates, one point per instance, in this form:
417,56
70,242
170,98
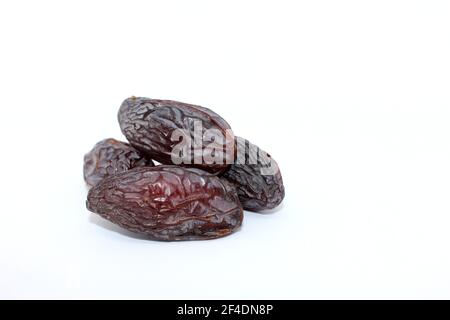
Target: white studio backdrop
350,97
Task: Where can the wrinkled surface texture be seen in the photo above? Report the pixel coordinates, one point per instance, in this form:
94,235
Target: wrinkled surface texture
148,125
257,192
109,157
168,203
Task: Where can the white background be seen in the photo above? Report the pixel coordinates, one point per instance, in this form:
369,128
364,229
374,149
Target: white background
352,98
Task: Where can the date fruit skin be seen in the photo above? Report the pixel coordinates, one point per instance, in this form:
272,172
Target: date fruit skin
168,203
148,125
109,157
257,192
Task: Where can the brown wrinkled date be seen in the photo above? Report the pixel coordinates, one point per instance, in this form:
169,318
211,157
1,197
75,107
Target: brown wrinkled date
256,177
149,125
109,157
168,203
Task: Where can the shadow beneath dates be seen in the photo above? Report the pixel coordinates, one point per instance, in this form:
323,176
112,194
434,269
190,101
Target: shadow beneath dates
99,221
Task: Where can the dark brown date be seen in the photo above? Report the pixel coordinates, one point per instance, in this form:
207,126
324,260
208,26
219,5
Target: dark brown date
109,157
168,203
256,177
150,124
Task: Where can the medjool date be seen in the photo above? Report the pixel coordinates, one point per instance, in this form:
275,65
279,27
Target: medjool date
168,203
256,177
109,157
153,127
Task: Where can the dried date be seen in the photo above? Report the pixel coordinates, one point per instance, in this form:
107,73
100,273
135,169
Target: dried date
256,177
168,203
109,157
150,124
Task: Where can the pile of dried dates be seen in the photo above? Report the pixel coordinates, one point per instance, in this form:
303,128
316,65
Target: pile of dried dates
183,175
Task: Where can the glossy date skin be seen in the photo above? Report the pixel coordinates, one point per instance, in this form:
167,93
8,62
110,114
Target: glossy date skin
148,124
109,157
256,191
168,203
